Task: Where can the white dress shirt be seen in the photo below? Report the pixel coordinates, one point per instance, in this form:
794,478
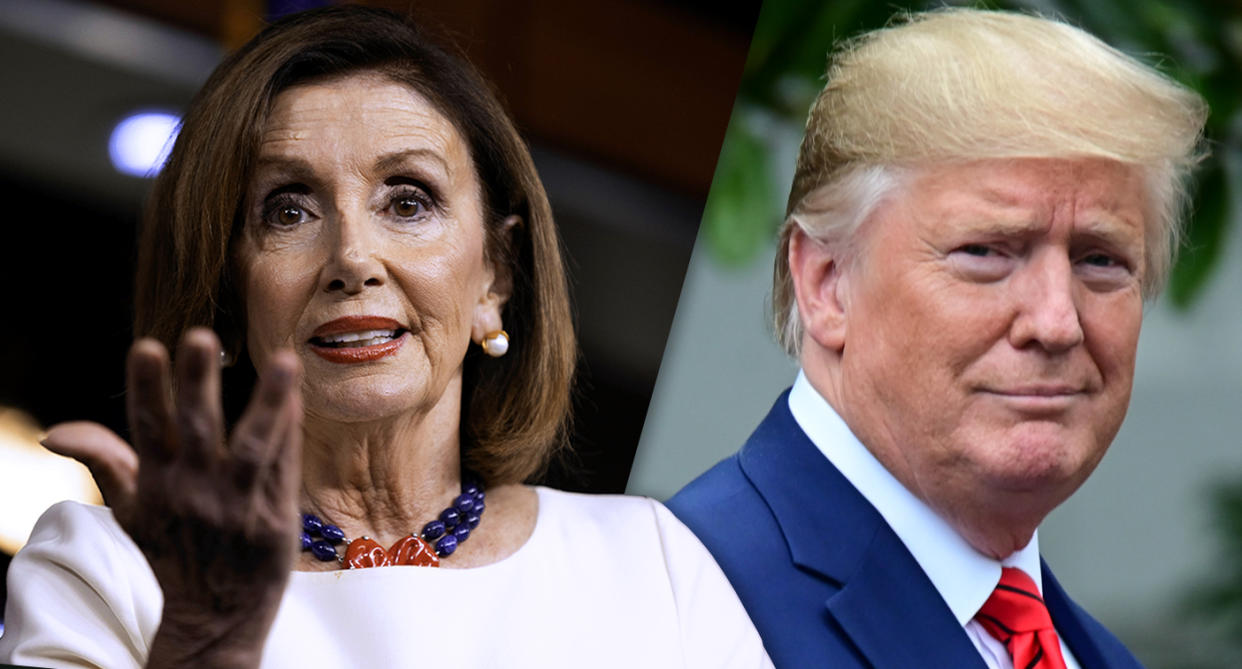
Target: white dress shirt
963,576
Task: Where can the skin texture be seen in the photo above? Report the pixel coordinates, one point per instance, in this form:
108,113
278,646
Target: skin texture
364,202
981,341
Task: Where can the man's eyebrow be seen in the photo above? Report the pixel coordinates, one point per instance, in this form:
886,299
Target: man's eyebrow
1111,228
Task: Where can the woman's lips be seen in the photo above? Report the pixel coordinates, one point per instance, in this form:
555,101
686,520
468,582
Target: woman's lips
346,324
354,339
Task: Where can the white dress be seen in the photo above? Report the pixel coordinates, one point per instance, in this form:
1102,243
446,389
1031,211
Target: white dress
603,581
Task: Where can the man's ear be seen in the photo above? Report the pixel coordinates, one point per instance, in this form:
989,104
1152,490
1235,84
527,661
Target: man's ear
816,270
498,280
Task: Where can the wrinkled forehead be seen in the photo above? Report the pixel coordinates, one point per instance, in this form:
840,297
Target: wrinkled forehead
1010,196
365,112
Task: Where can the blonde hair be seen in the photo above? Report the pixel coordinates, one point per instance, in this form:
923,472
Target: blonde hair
963,84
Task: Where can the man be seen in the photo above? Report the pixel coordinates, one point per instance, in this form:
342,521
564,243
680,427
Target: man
982,203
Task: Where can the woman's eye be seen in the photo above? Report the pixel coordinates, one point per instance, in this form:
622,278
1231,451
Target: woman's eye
409,204
407,207
287,207
285,214
289,215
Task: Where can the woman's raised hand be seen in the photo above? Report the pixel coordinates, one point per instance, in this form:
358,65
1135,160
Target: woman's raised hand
215,518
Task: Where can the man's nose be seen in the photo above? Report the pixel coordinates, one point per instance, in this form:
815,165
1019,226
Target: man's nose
1046,307
354,259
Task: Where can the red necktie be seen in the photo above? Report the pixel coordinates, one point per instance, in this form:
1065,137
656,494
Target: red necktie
1015,614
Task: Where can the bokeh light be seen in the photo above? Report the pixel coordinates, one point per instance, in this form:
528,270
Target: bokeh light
141,141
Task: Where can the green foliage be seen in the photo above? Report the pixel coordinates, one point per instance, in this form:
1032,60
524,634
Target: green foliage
739,202
1205,235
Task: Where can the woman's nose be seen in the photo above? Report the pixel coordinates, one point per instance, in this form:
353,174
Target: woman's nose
1047,312
354,261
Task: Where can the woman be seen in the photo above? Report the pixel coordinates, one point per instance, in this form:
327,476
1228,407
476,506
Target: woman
352,212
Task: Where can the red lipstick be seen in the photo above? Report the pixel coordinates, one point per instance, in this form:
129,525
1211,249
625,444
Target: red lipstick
343,340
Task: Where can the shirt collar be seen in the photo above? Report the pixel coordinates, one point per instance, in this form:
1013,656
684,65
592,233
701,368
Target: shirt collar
964,577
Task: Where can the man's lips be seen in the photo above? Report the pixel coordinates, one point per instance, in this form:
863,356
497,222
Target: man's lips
1038,398
1050,390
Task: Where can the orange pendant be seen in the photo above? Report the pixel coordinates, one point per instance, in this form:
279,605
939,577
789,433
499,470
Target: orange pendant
365,552
414,551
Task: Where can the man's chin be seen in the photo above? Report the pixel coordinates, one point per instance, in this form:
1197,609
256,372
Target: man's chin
1037,458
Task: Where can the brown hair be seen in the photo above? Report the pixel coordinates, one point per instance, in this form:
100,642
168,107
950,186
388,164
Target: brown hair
515,409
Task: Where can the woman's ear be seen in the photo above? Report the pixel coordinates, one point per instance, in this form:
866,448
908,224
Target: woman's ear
498,280
817,273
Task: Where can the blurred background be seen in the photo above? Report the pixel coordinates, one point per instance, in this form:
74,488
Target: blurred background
624,103
1152,544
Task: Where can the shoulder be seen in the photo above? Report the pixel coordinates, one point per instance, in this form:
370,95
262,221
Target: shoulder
723,483
70,523
644,552
735,485
80,589
83,539
622,517
634,535
723,505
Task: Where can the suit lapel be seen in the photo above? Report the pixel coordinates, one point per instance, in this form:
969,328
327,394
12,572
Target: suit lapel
895,616
885,604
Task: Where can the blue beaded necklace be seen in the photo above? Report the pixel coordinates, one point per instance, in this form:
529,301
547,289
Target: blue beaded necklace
447,531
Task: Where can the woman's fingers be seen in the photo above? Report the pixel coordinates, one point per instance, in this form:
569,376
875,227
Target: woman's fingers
149,402
112,462
255,440
200,422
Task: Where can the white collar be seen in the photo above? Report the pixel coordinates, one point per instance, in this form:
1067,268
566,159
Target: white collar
964,577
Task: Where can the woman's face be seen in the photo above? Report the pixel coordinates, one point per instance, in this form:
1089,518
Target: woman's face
363,249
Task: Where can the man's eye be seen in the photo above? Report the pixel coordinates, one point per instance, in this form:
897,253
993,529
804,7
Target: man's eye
978,250
1100,260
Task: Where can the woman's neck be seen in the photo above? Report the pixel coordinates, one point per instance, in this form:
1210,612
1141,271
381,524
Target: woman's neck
384,478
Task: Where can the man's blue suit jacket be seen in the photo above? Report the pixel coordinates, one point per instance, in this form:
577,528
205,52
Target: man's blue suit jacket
825,580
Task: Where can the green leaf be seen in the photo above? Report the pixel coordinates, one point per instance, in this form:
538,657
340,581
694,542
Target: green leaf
741,214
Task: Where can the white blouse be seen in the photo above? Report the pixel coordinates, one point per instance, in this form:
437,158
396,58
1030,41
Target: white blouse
603,581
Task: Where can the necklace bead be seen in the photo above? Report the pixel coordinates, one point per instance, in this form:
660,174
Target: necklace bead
434,530
448,531
446,545
323,550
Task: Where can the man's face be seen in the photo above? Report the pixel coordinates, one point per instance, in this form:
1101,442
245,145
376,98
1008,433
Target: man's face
991,322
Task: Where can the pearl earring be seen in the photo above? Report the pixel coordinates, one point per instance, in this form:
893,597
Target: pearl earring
495,343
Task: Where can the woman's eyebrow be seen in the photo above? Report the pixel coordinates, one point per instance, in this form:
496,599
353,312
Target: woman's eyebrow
397,159
286,167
